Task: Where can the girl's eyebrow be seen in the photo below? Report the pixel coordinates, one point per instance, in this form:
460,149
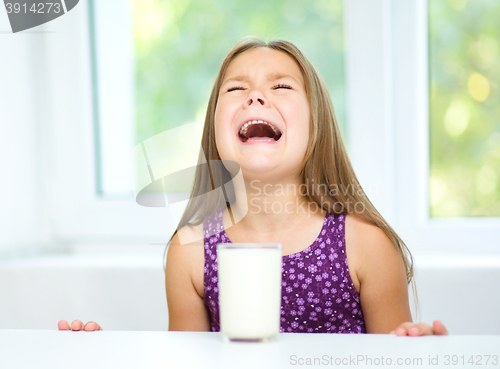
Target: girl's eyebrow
277,75
236,79
273,76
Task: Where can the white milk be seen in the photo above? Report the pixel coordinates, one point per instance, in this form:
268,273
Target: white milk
249,290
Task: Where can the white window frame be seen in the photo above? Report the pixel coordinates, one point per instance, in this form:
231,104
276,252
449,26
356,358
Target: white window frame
386,81
78,214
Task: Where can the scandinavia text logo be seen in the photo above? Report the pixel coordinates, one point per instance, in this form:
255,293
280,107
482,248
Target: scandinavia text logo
160,164
31,13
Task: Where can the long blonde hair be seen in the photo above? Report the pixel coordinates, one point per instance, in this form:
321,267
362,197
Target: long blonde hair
326,165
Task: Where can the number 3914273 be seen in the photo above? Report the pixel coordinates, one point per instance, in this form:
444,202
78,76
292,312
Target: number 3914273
471,360
38,8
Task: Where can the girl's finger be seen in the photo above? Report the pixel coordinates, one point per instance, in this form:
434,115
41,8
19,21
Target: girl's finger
439,328
63,325
76,325
92,326
420,329
403,328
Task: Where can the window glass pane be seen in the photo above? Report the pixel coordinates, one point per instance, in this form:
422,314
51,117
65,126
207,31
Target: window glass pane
179,46
464,45
112,55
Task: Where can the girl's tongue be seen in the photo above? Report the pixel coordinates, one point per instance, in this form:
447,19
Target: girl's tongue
259,132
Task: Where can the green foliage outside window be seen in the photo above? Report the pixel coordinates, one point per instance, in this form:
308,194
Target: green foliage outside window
464,52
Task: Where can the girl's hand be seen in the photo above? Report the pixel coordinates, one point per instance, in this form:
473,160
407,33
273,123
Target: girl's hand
421,329
77,325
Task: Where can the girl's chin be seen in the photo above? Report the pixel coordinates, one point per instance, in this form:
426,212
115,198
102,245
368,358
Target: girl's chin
257,170
266,172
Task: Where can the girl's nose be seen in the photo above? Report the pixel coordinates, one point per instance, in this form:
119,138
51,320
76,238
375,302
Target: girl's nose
255,101
255,98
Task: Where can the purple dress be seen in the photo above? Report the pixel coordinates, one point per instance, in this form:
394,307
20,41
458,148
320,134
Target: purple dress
317,293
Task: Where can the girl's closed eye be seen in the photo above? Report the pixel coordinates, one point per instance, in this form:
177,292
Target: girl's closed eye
278,86
235,88
282,85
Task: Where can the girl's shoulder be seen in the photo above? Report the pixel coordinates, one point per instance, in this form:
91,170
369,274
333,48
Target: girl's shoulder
368,248
189,234
185,256
186,243
360,232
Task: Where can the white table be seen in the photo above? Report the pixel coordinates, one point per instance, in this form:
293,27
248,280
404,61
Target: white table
124,349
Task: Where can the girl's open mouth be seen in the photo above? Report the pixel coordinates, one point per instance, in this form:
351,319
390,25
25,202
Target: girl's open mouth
259,130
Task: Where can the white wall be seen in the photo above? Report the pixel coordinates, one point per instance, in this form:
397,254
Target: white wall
460,291
128,292
124,292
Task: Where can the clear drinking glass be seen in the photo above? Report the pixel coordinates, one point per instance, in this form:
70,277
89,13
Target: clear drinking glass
249,291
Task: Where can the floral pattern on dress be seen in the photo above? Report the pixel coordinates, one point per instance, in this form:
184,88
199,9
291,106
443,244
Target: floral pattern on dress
317,293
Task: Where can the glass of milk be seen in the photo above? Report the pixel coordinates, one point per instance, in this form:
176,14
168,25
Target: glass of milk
249,291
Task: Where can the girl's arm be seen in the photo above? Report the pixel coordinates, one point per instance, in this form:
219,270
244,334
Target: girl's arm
184,286
378,273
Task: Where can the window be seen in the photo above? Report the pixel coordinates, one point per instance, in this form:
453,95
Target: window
425,229
376,58
178,47
464,61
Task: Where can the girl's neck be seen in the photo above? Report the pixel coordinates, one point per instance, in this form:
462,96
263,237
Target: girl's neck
271,206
